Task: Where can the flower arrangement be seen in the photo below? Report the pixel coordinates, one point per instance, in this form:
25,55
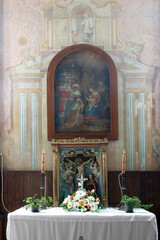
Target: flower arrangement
83,201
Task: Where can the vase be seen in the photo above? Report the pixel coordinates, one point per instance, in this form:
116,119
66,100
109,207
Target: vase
128,208
35,208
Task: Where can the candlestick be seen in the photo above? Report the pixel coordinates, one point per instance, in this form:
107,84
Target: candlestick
122,188
43,162
43,175
42,183
42,188
123,178
124,161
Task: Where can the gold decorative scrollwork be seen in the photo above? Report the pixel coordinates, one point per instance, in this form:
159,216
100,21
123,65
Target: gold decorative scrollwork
79,140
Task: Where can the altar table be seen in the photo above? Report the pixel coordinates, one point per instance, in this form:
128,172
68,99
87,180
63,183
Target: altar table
57,224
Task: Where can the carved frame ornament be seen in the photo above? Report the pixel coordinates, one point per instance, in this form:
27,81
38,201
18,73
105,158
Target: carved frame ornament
79,142
69,94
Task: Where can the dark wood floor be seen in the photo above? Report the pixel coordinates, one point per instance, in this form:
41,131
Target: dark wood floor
21,184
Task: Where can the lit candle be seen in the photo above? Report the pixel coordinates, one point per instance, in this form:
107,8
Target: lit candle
42,162
124,161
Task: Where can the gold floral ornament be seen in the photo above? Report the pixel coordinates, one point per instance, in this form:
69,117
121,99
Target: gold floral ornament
82,203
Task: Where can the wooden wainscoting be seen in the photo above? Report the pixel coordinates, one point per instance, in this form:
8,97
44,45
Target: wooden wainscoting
21,184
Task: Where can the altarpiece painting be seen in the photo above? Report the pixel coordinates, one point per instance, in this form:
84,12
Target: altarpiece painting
82,94
73,158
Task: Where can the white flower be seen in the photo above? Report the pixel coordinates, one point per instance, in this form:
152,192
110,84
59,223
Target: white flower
91,199
93,206
83,209
93,190
76,198
75,205
70,205
80,194
66,199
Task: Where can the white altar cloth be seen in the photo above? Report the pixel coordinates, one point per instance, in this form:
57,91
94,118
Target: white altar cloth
57,224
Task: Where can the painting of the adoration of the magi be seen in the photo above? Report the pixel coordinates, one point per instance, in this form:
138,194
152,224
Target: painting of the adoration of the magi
82,94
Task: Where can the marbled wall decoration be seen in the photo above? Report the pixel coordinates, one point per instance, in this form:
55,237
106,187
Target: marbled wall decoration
128,30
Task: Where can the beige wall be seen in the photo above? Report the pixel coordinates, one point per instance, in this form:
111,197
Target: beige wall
128,32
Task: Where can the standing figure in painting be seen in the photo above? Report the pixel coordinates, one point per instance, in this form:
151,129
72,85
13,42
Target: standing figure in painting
87,28
91,183
76,116
75,91
104,99
68,187
95,167
93,103
64,95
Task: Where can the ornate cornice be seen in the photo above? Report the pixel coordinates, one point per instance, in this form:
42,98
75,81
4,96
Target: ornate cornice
78,141
26,74
138,74
103,3
97,3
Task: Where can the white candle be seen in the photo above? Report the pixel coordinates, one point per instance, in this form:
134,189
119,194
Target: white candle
124,161
42,162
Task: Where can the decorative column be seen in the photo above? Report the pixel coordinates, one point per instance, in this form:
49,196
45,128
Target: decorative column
142,131
138,116
27,117
23,124
34,128
130,130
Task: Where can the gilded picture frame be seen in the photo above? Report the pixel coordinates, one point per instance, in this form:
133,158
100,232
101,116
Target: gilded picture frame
79,146
82,98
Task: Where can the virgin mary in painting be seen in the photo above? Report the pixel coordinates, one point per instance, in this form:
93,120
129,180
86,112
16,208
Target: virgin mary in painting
82,99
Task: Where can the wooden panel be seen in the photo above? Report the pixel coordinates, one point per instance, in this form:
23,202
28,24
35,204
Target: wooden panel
21,184
1,226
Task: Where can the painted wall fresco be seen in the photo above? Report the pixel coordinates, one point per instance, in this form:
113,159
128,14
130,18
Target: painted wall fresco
127,30
82,25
